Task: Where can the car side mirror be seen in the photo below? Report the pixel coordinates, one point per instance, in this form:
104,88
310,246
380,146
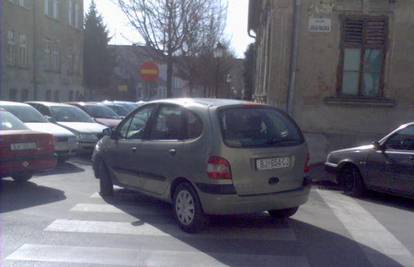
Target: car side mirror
50,119
378,146
113,134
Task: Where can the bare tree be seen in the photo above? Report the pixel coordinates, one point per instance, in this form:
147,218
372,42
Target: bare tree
174,28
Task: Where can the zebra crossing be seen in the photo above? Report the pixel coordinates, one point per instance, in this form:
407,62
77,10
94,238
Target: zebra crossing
127,231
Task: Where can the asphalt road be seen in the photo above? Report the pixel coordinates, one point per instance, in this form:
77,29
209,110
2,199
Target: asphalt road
58,219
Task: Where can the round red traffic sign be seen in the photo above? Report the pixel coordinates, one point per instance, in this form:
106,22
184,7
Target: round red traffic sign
149,71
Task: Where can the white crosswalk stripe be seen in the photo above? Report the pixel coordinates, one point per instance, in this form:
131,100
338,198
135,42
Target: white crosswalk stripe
134,257
123,228
366,229
106,208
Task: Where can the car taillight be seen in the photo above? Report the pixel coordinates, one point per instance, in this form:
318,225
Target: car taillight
307,167
218,169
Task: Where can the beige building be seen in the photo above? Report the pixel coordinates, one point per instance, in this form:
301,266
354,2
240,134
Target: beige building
342,68
42,44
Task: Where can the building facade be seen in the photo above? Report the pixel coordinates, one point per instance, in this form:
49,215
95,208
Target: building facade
42,43
342,68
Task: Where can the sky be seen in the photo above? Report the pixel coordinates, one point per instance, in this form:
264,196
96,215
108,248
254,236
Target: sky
122,33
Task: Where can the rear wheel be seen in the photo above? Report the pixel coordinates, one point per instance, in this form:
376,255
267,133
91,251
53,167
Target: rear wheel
187,209
22,177
284,213
351,181
105,183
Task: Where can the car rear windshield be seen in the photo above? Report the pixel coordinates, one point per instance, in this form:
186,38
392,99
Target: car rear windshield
121,111
70,114
26,114
100,111
10,122
258,127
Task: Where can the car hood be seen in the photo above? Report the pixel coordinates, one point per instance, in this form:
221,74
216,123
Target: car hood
355,149
49,128
108,122
83,127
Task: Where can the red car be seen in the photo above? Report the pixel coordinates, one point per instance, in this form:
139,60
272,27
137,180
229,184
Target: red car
22,151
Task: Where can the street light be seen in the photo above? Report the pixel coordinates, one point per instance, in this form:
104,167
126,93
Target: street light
218,54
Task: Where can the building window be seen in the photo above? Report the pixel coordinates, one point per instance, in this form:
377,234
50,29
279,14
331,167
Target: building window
24,95
22,3
11,53
22,54
52,8
13,94
52,55
48,95
74,14
362,59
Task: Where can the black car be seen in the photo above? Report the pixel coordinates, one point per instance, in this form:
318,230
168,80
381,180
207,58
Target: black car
386,165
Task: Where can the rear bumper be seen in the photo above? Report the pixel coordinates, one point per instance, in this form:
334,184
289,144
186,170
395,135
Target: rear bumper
10,167
222,204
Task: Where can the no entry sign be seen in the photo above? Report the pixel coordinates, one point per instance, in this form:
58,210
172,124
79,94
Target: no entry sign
149,71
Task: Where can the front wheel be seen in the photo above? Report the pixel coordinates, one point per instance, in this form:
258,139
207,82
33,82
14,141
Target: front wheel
105,183
22,177
187,209
352,182
284,213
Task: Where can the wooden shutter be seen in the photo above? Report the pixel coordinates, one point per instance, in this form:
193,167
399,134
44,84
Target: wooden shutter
353,32
368,32
375,32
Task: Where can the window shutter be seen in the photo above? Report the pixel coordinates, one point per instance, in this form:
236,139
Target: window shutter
353,31
375,32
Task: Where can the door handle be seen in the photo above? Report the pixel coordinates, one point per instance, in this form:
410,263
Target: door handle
134,149
172,152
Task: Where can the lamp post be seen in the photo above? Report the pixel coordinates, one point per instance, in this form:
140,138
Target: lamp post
218,54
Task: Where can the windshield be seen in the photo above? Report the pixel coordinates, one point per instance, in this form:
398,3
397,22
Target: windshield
70,114
100,111
10,122
258,127
121,111
26,114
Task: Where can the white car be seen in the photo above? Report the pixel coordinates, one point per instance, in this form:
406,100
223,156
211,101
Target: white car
74,119
66,142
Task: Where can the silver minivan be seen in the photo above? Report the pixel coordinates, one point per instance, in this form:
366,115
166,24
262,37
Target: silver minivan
207,157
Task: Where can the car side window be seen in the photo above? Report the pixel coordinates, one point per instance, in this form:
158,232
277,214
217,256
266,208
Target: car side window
402,140
168,124
193,125
134,126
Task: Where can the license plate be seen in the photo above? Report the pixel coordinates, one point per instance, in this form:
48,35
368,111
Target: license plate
273,163
23,146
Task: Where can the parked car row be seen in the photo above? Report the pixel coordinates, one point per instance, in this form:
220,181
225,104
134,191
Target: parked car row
35,135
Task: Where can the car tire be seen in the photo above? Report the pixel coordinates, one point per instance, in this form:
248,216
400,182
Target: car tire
187,209
106,186
351,181
22,177
283,213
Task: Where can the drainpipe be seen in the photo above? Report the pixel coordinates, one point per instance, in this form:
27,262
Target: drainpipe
294,56
1,46
34,51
